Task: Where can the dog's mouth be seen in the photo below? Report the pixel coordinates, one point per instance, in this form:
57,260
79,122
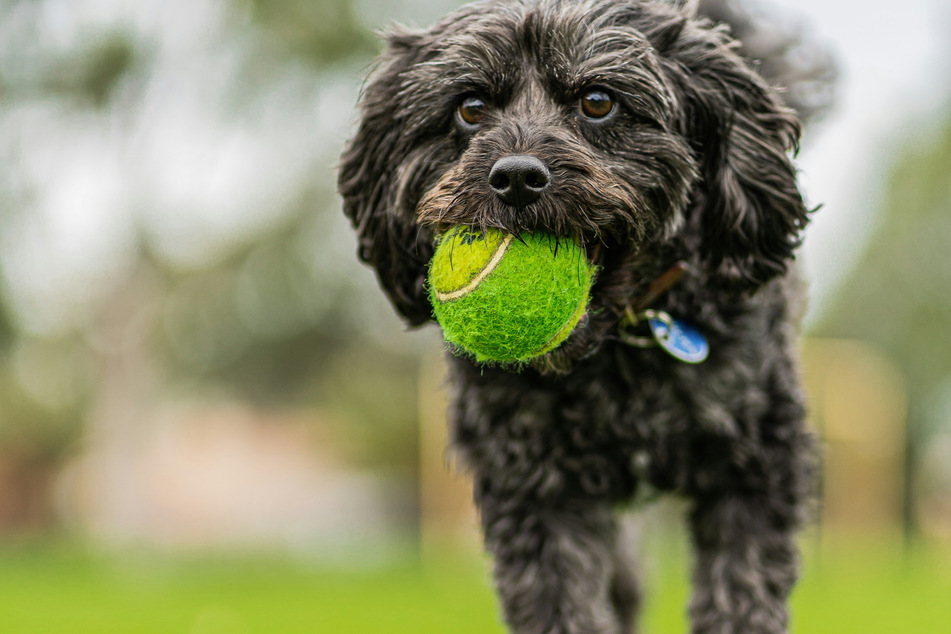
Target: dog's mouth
596,254
589,333
582,322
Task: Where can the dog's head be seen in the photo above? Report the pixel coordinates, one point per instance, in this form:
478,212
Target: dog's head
627,125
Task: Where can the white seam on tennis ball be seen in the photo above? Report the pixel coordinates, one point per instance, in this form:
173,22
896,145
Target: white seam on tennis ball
488,268
575,317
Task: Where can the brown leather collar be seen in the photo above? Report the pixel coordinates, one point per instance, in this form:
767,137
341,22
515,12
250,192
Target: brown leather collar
667,280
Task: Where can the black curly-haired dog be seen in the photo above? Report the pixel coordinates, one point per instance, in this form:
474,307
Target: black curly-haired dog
640,130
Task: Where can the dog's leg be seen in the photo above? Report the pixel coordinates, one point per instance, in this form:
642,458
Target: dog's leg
747,507
555,566
745,566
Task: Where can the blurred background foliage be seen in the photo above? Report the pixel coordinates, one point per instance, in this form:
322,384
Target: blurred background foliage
898,297
182,318
136,138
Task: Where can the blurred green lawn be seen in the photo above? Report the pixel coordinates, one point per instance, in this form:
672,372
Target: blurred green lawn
52,589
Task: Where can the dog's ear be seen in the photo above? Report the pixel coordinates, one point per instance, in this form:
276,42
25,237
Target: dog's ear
377,188
752,213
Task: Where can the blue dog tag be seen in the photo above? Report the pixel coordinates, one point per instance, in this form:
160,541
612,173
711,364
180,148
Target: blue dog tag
681,340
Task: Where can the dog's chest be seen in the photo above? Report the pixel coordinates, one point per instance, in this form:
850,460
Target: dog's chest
604,431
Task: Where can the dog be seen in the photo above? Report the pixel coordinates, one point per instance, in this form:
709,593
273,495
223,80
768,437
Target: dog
640,130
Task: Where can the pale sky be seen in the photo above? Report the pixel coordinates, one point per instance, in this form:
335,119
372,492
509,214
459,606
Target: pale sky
895,71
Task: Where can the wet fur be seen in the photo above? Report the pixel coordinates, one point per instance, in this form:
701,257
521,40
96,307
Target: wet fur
693,165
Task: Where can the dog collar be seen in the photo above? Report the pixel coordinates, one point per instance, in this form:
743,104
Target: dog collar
678,338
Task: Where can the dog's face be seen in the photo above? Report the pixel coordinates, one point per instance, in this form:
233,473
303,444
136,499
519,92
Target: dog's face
625,125
587,100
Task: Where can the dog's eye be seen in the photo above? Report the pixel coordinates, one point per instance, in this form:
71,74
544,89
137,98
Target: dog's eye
471,111
596,104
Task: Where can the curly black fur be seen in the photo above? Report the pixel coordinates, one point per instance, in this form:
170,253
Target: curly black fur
692,165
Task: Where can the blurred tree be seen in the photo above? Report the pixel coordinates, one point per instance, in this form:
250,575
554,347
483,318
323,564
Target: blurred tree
153,104
93,73
898,295
319,32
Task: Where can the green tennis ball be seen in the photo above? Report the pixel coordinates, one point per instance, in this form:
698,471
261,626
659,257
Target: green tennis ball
506,299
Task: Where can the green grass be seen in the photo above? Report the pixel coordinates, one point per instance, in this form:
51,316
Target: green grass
55,589
876,588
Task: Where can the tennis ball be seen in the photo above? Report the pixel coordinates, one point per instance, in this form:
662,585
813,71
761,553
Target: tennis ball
505,298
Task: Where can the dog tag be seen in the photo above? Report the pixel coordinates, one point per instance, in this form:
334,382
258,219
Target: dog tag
681,340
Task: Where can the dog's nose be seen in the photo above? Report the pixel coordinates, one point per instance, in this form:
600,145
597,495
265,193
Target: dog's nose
519,180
